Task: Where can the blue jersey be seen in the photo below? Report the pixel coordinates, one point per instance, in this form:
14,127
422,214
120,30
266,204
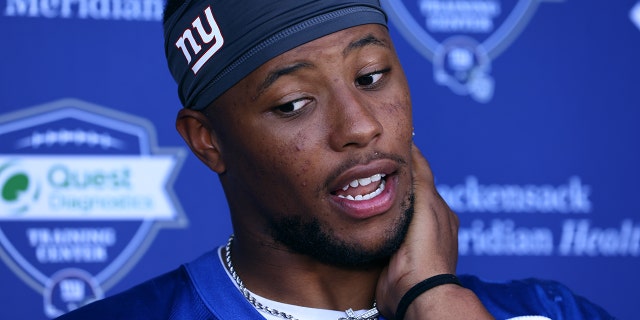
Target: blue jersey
202,290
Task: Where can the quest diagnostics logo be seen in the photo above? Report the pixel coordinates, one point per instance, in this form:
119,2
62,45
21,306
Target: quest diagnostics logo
462,37
84,190
87,187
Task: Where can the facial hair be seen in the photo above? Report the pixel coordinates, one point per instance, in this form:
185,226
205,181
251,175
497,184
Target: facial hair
310,237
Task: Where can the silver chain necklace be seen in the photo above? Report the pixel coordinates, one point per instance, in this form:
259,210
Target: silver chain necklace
371,314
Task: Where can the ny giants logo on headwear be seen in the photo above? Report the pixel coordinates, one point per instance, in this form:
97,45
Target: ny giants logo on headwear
213,40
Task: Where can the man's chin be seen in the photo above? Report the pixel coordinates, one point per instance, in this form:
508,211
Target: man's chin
312,239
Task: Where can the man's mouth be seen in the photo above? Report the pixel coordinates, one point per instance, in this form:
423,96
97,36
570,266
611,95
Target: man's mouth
363,188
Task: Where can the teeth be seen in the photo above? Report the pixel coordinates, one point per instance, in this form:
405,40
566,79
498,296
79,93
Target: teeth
364,182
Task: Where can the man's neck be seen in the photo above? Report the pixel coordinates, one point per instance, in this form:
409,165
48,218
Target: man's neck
276,273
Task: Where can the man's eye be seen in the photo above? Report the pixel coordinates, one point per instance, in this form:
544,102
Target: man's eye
293,106
369,79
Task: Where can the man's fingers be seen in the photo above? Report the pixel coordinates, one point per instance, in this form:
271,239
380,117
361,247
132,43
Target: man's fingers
421,169
435,225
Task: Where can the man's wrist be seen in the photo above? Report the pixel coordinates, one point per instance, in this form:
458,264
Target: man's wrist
422,287
448,301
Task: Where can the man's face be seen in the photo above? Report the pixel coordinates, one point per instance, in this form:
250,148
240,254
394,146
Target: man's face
316,147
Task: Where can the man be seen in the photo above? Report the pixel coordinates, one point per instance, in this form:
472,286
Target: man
303,111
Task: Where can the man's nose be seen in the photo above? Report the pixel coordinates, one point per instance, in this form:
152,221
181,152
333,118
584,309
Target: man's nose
354,120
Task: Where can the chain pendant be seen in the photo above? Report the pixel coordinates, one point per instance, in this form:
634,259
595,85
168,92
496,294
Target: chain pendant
371,314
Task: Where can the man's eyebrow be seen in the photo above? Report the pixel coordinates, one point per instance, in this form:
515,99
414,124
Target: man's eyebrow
275,74
369,39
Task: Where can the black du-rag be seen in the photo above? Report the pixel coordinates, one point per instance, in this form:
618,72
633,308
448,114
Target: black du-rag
211,45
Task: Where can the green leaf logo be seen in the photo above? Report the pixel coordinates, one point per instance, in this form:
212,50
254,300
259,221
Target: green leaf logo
16,184
17,190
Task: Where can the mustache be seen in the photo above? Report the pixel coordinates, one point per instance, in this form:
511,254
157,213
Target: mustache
361,160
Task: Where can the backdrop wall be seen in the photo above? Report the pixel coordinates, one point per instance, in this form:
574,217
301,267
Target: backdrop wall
527,111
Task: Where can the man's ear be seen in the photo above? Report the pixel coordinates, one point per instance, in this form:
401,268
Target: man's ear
196,130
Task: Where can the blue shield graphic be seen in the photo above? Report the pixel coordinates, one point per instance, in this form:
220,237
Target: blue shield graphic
83,191
462,37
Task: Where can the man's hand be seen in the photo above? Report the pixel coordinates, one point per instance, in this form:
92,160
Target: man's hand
430,248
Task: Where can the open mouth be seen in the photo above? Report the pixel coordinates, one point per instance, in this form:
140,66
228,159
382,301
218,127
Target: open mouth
363,188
